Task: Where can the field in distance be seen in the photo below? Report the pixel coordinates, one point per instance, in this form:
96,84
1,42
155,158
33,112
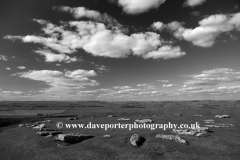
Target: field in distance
23,143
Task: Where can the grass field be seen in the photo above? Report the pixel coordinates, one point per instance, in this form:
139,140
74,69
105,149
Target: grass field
222,144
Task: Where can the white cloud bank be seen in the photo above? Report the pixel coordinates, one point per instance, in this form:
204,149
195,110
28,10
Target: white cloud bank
206,33
21,67
51,57
169,85
193,3
61,81
4,58
96,38
139,6
214,77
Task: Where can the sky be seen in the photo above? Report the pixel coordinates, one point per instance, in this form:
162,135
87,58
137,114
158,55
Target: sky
119,50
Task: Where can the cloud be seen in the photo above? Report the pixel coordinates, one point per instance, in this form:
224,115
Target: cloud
12,92
164,81
51,57
157,25
165,52
97,39
139,6
21,67
195,13
80,12
4,58
122,87
169,85
146,86
7,68
214,77
61,82
207,90
208,30
193,3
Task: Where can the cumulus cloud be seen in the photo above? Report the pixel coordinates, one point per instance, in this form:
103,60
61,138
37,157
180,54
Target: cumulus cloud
97,39
122,87
214,77
51,57
165,52
12,92
80,12
4,58
207,90
169,85
193,3
146,86
7,68
61,81
21,67
164,81
157,25
139,6
208,30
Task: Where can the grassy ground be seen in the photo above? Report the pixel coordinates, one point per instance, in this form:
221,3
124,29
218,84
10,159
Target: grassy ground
223,143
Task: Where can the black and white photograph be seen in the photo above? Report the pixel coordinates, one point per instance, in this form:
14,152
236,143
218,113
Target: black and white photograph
119,79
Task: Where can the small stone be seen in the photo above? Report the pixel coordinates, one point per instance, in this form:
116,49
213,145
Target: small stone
123,119
49,136
136,140
107,136
144,121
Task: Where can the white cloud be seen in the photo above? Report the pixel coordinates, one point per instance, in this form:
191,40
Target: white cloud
21,67
146,86
157,25
12,92
142,85
4,58
193,3
214,77
80,12
165,52
51,57
61,82
164,81
169,85
207,90
122,87
96,39
139,6
208,30
7,68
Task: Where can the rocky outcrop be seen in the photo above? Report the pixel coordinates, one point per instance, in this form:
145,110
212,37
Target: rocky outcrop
49,136
217,125
49,129
136,140
198,132
72,137
39,126
107,136
72,118
175,138
144,121
111,116
46,133
124,119
222,116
